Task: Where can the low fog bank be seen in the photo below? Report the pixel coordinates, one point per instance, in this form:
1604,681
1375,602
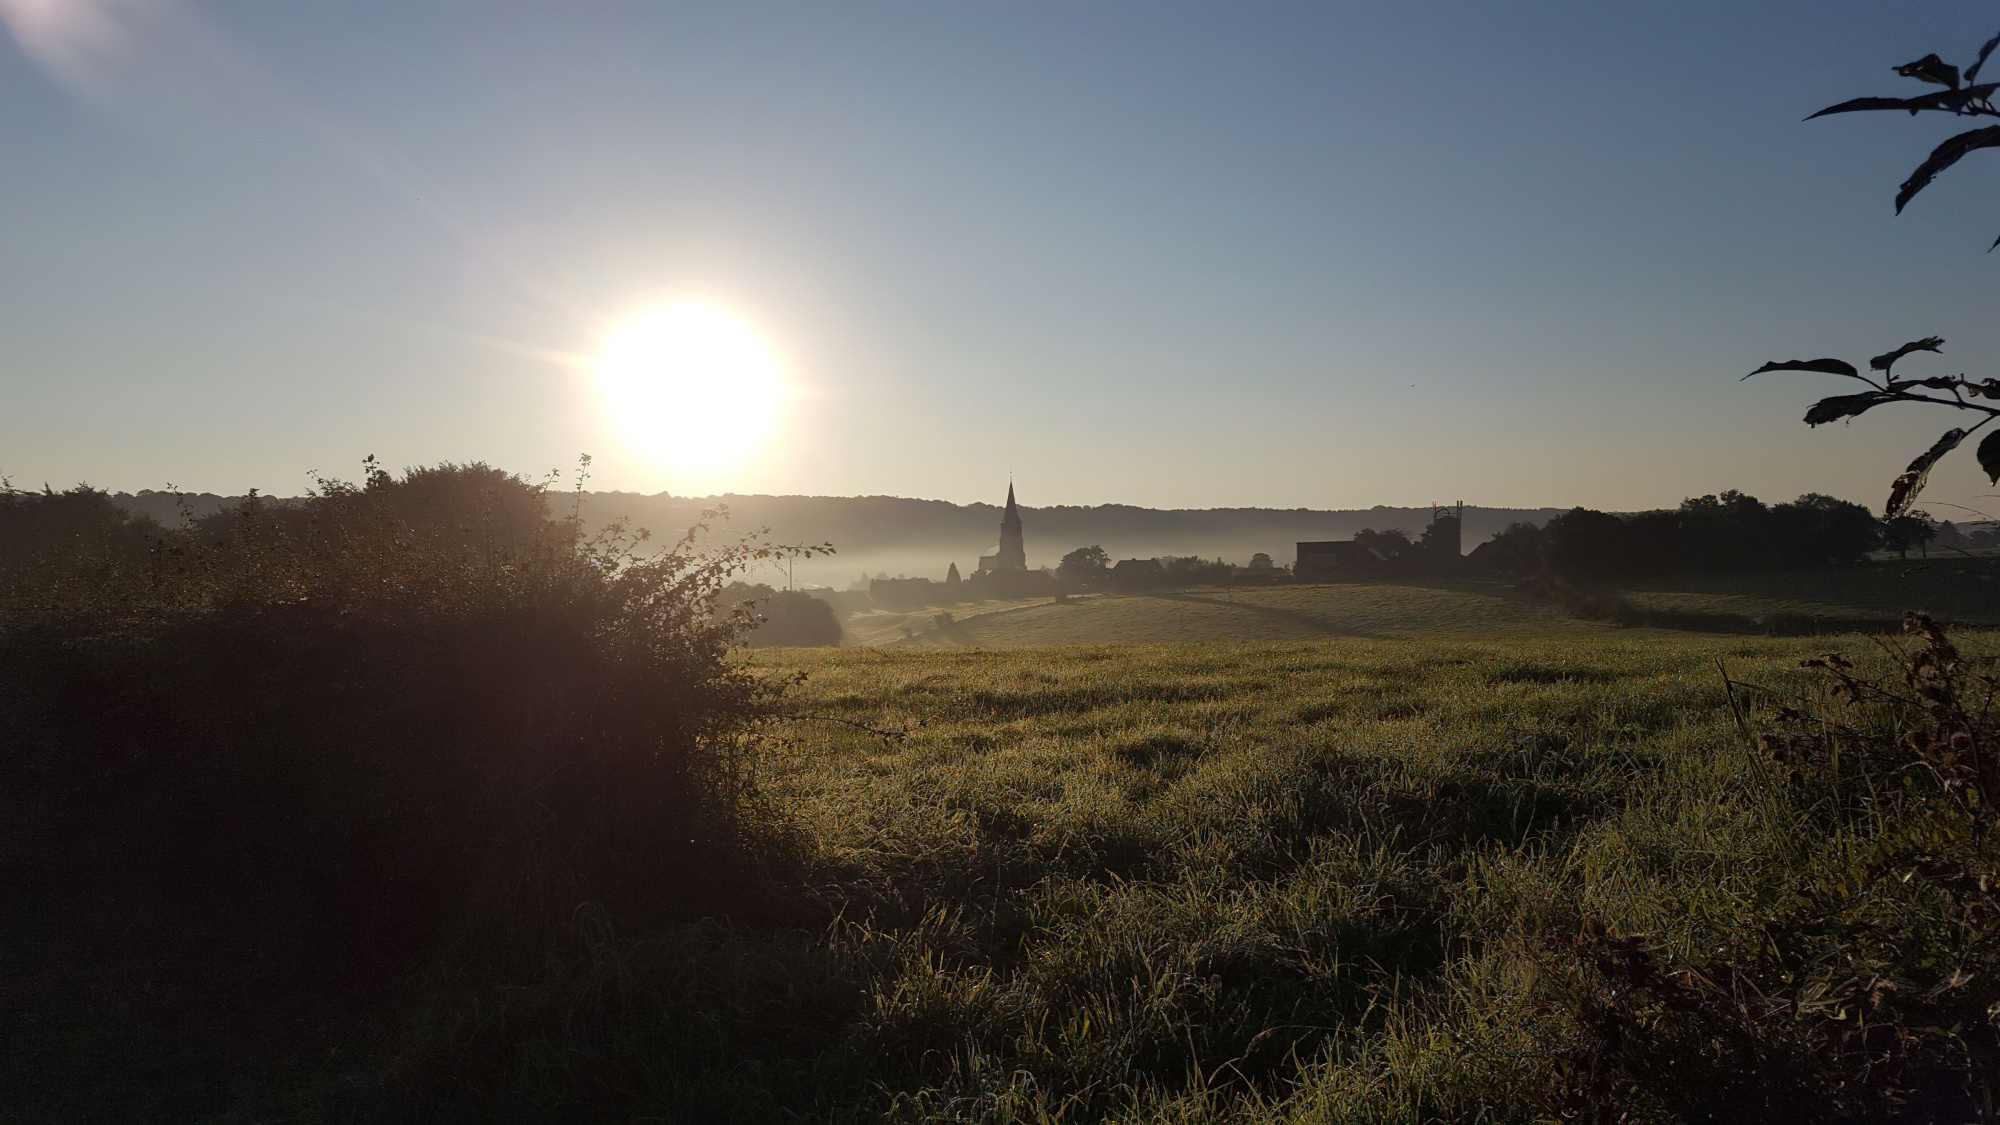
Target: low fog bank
897,536
922,538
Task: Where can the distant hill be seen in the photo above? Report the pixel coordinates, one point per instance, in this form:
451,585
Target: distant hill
900,536
920,538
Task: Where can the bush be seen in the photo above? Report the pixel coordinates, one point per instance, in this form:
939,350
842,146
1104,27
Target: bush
410,733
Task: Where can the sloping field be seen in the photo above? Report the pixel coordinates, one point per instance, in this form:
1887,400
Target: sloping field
891,626
1952,589
1360,609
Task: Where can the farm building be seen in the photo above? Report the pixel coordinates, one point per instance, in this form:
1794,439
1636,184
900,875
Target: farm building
1341,558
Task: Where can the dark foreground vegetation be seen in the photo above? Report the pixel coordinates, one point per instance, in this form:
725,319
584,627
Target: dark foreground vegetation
407,804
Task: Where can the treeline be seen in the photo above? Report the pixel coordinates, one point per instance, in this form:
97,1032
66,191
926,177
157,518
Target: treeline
1706,533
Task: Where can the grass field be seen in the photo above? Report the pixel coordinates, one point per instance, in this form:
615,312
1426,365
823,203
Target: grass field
1951,589
1278,613
1521,868
331,827
1345,880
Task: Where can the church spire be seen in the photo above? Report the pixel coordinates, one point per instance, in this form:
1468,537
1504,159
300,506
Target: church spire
1013,550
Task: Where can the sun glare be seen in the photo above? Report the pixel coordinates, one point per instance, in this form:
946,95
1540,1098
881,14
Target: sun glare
692,386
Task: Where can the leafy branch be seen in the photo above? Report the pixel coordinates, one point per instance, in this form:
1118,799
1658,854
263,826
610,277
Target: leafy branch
1888,388
1961,97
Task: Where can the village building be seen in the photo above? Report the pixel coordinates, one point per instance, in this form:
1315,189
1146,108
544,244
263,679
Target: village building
1012,554
1345,559
1340,558
1005,573
1138,574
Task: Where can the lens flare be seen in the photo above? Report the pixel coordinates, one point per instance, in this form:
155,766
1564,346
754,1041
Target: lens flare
76,40
692,386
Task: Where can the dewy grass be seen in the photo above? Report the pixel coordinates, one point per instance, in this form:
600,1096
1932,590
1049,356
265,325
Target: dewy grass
1530,878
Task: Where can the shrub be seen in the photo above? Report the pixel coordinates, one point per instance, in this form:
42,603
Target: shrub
409,729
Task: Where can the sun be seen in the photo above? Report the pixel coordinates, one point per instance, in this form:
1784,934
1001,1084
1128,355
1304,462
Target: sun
692,386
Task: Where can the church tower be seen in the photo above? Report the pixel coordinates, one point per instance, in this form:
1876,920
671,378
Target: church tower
1013,553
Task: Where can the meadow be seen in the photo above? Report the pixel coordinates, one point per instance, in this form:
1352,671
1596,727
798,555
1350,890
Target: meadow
349,817
1503,879
1951,588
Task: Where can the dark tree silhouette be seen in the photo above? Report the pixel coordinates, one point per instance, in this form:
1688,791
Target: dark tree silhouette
1960,98
1904,532
64,528
1955,391
793,617
1519,547
1706,533
1084,564
1393,545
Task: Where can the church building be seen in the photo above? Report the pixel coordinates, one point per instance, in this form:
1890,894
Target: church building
1013,551
1005,573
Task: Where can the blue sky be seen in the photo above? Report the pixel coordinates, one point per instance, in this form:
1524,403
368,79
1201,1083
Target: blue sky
1169,254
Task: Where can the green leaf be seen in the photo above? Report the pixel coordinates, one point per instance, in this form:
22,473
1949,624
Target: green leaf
1944,156
1989,456
1887,360
1930,68
1824,366
1904,491
1845,406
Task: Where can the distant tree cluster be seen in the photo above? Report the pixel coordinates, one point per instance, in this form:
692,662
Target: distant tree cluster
784,617
1706,533
79,527
1192,570
1084,565
1431,552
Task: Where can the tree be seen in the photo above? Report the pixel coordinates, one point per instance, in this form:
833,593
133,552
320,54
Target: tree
1907,531
1261,561
1085,564
1963,392
58,529
1817,530
793,617
1519,547
1585,543
1193,570
1961,97
1393,545
1967,100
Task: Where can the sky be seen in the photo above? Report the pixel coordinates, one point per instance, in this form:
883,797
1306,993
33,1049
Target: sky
1224,254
